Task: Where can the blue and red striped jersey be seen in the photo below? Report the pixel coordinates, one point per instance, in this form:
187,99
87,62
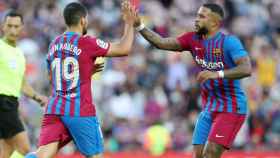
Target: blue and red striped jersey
70,62
218,53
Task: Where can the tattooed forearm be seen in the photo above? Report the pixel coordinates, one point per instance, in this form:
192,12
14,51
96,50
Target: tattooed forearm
243,69
159,42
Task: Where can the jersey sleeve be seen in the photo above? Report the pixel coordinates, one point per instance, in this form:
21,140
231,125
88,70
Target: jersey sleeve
235,48
95,47
185,40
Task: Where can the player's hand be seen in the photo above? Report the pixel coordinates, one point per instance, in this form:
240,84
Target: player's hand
129,13
206,75
42,100
137,20
98,67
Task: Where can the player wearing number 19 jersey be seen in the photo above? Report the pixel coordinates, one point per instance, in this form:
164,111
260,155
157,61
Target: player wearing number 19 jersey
70,61
70,113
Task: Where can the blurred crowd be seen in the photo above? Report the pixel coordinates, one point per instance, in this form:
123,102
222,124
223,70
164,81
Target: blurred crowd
150,100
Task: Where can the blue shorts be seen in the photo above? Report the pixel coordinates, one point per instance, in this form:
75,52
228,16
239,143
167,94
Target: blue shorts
202,128
84,131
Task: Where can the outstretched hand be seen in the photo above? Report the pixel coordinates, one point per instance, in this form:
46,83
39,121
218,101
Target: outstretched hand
129,13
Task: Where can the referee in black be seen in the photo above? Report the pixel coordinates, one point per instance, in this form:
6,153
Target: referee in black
12,84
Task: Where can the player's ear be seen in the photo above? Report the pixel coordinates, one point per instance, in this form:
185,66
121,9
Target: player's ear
216,19
83,21
20,28
3,25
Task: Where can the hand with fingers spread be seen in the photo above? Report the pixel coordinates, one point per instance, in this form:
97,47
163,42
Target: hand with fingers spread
129,13
206,75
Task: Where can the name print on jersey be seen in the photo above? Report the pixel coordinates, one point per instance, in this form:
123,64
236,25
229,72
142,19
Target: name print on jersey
67,47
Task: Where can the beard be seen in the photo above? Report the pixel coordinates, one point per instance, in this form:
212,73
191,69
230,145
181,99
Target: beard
202,31
84,31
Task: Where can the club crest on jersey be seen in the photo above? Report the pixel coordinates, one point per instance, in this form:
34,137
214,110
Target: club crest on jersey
102,44
217,52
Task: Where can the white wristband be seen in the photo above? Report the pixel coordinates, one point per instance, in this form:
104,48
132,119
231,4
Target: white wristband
221,74
140,27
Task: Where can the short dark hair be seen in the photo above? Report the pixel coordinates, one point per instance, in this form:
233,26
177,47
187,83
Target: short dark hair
215,8
73,12
13,13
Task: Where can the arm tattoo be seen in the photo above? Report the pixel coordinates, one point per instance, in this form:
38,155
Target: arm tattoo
159,42
242,70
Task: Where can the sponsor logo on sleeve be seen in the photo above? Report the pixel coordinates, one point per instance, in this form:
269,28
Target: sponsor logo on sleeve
102,44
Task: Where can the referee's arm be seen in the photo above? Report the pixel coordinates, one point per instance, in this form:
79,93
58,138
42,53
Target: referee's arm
31,93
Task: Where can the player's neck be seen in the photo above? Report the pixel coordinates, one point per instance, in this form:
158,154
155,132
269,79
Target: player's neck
74,29
10,42
211,33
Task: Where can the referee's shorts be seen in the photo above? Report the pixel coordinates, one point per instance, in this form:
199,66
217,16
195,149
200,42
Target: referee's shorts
10,123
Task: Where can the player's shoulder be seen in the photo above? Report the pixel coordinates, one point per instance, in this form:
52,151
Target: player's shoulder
231,40
230,37
87,37
56,39
94,41
189,34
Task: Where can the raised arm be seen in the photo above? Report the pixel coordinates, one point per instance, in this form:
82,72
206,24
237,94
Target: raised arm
155,39
123,47
160,42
